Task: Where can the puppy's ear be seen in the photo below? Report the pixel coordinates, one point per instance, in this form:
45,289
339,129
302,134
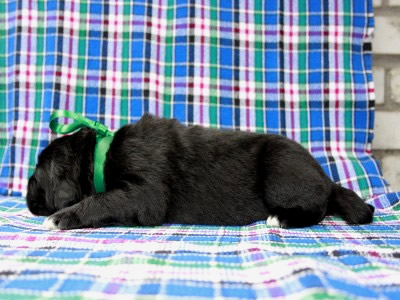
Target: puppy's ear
35,198
65,194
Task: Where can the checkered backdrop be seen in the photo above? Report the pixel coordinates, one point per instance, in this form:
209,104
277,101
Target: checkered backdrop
298,68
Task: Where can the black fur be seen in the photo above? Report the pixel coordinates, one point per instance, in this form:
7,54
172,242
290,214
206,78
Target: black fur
158,171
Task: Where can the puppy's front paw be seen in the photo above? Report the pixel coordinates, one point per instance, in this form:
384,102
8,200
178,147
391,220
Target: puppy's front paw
273,221
50,224
64,219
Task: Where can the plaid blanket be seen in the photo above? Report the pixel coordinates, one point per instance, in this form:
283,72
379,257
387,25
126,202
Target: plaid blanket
328,261
299,68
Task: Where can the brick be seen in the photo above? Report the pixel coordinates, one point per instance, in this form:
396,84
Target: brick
394,3
391,170
395,84
379,81
377,3
387,35
387,135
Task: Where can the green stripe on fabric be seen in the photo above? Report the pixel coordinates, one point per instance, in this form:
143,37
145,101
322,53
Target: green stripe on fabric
349,100
169,43
325,295
3,33
348,114
80,88
258,63
8,295
302,76
213,67
125,93
360,173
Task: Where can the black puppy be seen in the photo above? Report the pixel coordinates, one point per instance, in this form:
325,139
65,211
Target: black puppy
158,171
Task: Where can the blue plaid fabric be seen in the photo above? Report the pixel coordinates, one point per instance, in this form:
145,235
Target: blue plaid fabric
328,261
298,68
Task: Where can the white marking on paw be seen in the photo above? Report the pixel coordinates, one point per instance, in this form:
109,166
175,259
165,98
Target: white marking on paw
49,224
273,221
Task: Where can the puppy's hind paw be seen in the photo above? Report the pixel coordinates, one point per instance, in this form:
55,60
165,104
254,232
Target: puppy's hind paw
273,221
50,224
64,219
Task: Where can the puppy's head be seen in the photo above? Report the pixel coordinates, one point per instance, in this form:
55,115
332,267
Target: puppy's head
56,182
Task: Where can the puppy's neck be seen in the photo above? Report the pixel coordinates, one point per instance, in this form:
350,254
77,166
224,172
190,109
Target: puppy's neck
86,141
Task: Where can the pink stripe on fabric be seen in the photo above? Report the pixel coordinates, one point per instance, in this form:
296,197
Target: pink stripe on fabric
336,92
247,76
158,55
70,52
27,86
114,66
202,40
337,104
292,121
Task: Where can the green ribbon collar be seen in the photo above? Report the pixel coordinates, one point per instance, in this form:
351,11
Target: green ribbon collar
104,138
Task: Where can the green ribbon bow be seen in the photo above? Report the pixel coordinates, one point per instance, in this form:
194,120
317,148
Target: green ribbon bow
104,138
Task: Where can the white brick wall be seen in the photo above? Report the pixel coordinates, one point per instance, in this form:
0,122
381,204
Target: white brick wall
394,2
386,38
395,85
392,174
379,81
386,136
386,71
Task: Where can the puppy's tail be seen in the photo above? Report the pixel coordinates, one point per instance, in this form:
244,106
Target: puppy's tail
348,205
